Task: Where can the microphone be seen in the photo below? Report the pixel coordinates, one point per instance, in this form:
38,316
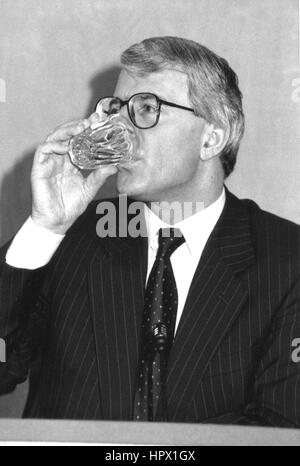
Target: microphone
161,336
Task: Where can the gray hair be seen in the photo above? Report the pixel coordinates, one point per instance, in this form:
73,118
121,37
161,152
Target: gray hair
213,86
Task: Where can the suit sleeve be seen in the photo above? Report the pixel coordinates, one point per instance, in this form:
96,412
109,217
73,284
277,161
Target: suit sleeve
25,302
23,315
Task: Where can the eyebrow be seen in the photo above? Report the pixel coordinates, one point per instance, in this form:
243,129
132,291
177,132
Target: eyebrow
127,97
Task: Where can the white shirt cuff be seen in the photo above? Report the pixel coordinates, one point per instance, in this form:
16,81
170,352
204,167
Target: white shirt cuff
33,246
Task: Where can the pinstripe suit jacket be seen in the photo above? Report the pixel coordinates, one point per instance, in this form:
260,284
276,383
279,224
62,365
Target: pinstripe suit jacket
76,325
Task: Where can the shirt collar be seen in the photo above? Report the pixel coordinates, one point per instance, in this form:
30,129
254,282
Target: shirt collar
196,228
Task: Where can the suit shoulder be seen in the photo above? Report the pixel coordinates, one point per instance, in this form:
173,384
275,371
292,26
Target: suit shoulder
266,220
273,232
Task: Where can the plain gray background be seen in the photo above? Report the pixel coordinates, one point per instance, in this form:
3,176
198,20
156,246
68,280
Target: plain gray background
58,58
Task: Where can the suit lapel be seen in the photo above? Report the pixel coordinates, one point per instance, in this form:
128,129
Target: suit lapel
214,301
116,284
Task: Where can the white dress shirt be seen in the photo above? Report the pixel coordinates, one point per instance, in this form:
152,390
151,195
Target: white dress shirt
33,246
196,230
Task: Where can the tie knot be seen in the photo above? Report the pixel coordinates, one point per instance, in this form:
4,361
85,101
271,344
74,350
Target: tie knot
169,239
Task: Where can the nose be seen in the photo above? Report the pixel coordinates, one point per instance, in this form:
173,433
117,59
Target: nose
123,111
125,115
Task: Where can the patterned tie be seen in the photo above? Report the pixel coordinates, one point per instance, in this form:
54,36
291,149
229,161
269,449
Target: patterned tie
159,317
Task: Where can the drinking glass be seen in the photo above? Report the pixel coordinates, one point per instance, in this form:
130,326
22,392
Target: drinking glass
108,142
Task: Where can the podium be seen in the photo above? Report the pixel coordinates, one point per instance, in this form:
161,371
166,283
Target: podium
140,433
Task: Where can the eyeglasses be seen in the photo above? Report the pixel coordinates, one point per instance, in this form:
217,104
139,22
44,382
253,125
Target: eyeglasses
143,108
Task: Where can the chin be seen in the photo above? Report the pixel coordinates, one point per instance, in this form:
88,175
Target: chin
137,187
137,193
127,185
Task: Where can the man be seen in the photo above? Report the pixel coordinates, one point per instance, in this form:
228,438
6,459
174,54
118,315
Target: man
75,307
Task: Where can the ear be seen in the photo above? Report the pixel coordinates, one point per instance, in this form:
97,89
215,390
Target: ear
213,141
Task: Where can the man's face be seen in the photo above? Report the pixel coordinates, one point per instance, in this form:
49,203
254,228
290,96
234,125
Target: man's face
167,165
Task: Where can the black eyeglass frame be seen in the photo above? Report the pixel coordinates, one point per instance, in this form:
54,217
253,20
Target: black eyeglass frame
159,101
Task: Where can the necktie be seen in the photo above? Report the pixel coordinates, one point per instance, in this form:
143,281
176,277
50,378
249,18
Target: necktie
159,317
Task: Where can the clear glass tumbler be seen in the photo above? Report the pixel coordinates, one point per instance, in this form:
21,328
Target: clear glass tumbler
109,142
